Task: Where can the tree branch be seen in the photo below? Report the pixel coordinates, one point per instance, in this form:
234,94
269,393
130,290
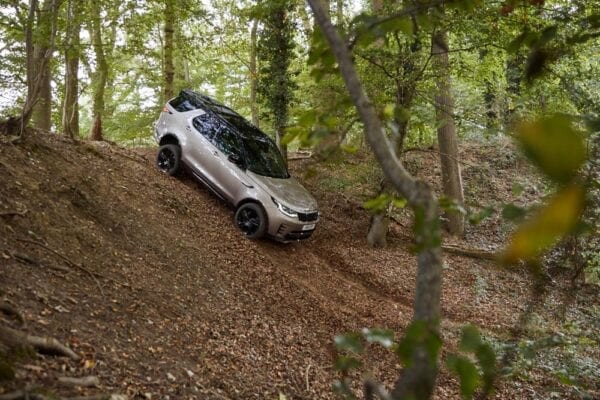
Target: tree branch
418,379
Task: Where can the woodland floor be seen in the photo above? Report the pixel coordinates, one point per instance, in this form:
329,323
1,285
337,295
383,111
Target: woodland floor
180,306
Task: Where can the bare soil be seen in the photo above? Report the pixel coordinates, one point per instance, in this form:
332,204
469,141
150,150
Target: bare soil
146,278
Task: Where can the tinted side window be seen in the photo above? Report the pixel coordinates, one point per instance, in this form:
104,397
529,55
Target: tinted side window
226,141
207,125
181,104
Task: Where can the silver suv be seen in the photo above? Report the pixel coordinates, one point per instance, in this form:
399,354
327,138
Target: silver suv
237,162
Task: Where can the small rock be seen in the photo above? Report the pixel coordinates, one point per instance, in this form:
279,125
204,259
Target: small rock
170,377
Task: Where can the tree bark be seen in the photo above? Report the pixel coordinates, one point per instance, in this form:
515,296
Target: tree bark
447,138
42,55
417,379
169,69
100,76
70,115
33,68
253,74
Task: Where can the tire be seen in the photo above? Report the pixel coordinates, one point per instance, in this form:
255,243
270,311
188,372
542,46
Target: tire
168,159
251,219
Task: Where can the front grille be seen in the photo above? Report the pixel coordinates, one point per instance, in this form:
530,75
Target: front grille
298,235
307,217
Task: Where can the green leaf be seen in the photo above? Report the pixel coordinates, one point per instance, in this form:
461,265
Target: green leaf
476,218
384,337
346,363
418,335
467,373
470,339
401,24
554,146
351,342
512,212
378,204
399,202
559,217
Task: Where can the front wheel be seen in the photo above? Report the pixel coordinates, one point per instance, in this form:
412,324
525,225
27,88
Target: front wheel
168,159
251,219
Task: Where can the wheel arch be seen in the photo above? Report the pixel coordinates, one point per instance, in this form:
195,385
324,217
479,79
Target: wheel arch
169,138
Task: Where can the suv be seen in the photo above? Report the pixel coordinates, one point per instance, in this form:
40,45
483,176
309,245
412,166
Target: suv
237,162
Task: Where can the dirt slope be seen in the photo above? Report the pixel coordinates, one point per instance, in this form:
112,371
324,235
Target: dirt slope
170,302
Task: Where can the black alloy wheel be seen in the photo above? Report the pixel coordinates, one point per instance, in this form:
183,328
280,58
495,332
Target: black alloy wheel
168,159
250,218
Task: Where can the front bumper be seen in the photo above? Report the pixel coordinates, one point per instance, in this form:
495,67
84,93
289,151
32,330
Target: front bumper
287,229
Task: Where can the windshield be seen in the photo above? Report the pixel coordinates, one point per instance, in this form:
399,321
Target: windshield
263,157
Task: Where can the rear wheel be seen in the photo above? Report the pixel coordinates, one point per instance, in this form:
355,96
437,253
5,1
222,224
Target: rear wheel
251,219
168,159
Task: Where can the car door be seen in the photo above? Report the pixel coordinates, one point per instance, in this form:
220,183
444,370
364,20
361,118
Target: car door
199,132
229,177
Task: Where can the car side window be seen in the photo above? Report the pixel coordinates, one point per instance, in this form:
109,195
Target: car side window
207,125
226,141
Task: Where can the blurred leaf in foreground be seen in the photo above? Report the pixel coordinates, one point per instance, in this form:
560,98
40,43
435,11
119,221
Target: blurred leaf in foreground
559,217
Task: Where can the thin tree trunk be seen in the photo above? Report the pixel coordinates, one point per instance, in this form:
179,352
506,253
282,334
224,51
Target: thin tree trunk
42,54
100,75
33,76
417,379
253,74
169,69
70,116
447,138
339,12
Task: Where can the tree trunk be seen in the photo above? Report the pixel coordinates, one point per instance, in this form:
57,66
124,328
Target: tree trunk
339,12
70,115
253,74
36,61
169,69
417,379
42,55
100,75
447,138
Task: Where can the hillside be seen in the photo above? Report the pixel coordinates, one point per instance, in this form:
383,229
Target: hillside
148,280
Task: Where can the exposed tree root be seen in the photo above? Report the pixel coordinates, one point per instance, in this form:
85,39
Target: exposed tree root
473,253
43,345
22,395
13,213
8,310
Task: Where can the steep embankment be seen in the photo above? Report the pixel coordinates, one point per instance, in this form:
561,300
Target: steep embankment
147,279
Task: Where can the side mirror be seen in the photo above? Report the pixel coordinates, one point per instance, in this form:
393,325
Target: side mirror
237,160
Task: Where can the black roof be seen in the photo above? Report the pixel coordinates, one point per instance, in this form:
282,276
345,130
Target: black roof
241,125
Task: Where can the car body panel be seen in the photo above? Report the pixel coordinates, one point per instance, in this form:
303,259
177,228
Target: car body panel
207,142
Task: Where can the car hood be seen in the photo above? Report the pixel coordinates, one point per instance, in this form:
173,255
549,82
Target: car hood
288,192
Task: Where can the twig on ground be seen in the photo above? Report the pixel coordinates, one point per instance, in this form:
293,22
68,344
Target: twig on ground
25,259
85,381
43,345
306,377
92,274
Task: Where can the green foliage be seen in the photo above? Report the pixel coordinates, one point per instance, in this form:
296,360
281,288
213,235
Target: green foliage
276,51
383,202
554,146
473,376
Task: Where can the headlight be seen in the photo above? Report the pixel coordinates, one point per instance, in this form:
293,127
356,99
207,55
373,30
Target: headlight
285,210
